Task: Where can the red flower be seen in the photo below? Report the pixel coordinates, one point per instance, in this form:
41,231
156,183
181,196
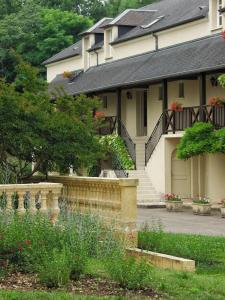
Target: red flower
99,114
216,101
223,34
176,106
27,242
20,249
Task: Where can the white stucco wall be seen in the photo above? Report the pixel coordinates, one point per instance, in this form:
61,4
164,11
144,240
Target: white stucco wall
71,64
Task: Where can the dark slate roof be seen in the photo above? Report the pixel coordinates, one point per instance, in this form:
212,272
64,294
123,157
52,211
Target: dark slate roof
97,46
175,12
206,54
74,50
132,17
98,27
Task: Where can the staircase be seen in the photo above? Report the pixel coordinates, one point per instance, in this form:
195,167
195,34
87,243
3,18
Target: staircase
146,194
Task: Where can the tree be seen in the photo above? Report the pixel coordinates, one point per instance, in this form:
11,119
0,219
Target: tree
36,34
114,7
53,137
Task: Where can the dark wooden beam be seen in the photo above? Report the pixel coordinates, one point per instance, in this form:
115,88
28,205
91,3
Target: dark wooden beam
165,94
202,95
164,102
119,110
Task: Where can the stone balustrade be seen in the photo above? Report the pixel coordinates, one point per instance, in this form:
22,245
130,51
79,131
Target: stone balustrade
41,197
114,200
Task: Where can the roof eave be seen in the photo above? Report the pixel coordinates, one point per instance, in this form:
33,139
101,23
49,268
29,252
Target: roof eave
46,63
158,30
153,80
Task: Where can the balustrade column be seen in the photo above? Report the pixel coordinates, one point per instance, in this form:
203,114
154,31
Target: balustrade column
32,208
44,194
9,204
55,210
21,208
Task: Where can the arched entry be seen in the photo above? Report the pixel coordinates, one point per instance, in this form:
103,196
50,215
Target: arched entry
181,176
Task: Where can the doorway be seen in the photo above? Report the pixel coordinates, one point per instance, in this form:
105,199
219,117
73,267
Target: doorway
181,176
142,113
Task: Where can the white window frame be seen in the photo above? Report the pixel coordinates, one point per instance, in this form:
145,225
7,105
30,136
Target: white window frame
219,14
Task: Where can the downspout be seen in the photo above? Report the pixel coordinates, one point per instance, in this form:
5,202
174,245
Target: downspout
156,41
96,52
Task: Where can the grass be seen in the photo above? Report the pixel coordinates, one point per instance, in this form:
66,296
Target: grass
205,250
14,295
208,283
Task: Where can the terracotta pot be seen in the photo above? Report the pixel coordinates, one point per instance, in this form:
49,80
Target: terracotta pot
222,209
201,209
174,206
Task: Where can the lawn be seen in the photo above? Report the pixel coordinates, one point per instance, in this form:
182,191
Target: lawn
80,259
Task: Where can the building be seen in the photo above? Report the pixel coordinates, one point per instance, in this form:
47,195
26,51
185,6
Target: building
139,63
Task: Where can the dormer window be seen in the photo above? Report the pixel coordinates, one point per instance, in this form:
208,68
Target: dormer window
219,13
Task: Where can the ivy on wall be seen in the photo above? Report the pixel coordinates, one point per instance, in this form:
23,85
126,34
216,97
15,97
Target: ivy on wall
115,146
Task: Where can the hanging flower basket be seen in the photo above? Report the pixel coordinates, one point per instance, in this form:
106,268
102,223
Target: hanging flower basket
99,115
217,101
176,106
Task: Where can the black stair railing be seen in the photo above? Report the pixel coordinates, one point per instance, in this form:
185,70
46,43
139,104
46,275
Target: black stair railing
154,139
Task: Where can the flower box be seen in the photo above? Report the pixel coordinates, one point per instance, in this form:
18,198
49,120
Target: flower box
222,209
174,206
173,203
201,209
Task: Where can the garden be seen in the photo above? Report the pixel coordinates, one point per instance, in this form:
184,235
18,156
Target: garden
81,258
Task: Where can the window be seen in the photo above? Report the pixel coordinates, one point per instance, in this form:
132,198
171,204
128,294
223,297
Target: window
105,102
160,93
181,90
219,14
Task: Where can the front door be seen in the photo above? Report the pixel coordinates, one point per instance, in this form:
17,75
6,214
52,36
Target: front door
181,176
141,110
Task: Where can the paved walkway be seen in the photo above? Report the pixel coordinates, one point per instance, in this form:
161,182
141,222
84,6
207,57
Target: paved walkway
183,222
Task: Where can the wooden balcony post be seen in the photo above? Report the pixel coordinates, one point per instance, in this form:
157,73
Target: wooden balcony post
202,94
119,110
165,103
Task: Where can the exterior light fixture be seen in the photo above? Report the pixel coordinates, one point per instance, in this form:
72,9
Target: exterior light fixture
129,95
214,81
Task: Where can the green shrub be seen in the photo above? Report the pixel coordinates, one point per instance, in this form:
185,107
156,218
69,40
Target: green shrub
203,249
54,270
128,272
222,80
27,243
197,140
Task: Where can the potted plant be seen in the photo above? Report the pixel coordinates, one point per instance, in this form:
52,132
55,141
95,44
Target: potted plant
201,206
173,203
222,209
176,106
